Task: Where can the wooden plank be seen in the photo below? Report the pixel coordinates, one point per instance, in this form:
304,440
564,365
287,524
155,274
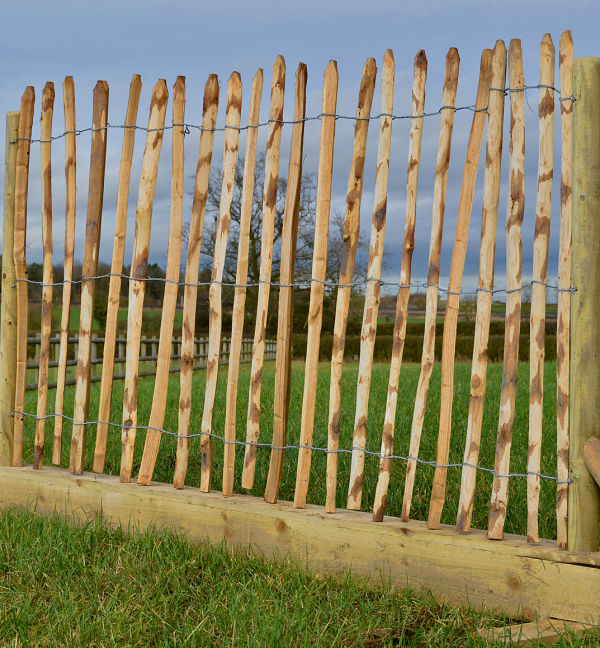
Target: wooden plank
457,266
545,632
373,289
241,277
538,289
70,208
412,176
591,456
116,268
215,307
563,329
514,263
487,256
20,243
8,321
266,260
169,303
139,268
346,273
289,237
47,273
210,107
89,269
317,289
509,577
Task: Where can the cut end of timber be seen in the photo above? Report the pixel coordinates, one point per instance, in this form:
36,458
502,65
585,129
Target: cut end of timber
421,58
179,83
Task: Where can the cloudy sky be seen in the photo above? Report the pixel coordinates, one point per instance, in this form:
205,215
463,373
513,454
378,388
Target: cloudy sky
44,41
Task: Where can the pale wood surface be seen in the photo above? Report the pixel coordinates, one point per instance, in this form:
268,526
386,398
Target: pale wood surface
591,456
538,289
139,268
441,174
116,268
317,289
514,261
190,293
266,259
457,266
20,243
47,273
286,292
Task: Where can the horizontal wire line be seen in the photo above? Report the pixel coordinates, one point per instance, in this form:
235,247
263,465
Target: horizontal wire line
258,444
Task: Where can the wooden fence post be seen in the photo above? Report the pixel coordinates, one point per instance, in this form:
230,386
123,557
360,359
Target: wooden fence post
8,329
585,304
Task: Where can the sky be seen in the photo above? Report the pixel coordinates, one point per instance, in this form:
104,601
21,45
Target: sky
44,41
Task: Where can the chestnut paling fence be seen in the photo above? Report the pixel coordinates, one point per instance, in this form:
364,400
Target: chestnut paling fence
501,88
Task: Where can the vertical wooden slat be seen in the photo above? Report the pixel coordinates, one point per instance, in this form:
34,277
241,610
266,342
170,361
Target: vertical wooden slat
346,273
114,288
139,268
210,106
317,290
487,256
372,297
266,260
47,274
286,293
538,288
465,205
564,281
514,261
169,303
215,307
21,186
89,269
439,202
70,208
239,299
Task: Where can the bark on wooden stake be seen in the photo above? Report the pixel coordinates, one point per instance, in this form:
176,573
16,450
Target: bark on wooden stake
487,256
465,205
514,261
70,207
210,107
372,297
286,293
114,289
230,155
239,299
319,267
538,288
20,232
266,259
47,274
139,268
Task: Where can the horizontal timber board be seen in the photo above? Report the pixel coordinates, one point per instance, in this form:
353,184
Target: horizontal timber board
510,576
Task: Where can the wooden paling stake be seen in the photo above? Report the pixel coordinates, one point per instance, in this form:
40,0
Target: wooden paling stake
564,282
21,184
169,304
514,261
372,297
210,107
239,299
286,277
70,207
487,255
346,275
319,268
89,269
538,288
114,289
266,259
139,268
47,274
230,155
414,158
465,205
